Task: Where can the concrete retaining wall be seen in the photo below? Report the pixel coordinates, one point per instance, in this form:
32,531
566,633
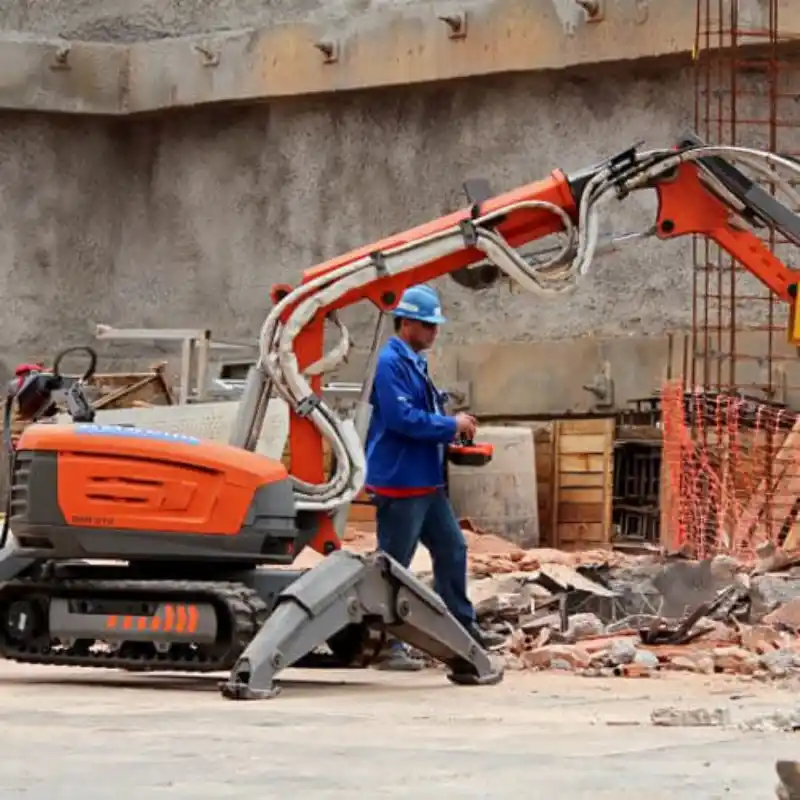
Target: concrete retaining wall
187,219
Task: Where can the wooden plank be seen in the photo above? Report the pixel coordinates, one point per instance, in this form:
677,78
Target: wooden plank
580,512
583,486
555,540
578,444
608,455
597,427
544,444
545,511
580,480
569,532
544,462
577,463
582,495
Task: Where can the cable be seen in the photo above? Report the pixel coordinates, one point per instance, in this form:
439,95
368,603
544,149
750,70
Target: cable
552,277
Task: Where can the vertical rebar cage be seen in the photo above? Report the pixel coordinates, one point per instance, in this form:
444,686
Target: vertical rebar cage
732,445
747,93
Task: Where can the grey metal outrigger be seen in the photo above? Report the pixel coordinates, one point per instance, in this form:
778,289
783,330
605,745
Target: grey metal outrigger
371,591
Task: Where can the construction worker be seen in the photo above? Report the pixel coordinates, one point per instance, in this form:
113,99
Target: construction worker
405,451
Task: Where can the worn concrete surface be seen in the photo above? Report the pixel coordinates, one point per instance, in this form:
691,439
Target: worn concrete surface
105,734
387,44
188,220
134,20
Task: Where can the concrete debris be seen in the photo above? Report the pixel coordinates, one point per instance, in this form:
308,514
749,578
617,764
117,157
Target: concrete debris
786,616
605,613
672,717
543,633
777,722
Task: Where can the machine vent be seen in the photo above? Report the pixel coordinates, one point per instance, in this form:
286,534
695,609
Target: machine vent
20,477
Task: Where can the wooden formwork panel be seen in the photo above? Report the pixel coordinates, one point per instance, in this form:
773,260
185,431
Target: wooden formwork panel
583,483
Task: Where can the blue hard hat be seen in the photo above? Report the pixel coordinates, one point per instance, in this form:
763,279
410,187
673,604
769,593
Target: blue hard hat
421,303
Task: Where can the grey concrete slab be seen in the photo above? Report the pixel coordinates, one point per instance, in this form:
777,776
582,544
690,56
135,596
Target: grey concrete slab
97,735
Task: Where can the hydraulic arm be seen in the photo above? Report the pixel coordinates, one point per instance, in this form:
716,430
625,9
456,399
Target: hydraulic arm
699,189
189,526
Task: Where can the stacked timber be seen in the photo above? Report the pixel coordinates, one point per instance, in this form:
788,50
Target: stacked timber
583,483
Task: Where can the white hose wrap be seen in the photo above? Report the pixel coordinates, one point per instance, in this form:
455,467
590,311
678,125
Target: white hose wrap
551,278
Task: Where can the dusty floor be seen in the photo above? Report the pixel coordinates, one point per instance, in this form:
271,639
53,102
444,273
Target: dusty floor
69,734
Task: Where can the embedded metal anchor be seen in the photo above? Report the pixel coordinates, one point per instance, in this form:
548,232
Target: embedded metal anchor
61,58
328,49
457,24
210,58
593,8
602,387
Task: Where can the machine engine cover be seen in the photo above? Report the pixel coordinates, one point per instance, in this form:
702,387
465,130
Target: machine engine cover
118,492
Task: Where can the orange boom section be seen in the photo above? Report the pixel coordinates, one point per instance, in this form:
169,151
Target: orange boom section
518,227
134,479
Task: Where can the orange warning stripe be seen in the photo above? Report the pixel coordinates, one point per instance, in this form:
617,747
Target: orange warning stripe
182,619
193,619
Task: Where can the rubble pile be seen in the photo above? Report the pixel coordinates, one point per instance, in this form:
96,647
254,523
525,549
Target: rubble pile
607,614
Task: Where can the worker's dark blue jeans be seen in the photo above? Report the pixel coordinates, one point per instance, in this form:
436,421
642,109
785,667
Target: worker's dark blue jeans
405,522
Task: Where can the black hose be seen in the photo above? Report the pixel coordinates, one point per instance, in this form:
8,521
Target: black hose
9,443
77,349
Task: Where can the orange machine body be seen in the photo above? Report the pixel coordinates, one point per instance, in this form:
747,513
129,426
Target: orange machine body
128,479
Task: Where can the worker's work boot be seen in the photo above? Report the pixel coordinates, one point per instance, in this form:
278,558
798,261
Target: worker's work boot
486,639
396,658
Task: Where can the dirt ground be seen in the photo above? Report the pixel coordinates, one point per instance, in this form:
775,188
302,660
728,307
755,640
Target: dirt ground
96,735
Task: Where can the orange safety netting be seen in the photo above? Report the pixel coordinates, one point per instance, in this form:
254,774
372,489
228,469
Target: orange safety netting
732,473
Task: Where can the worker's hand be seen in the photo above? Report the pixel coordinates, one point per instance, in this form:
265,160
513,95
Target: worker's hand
466,425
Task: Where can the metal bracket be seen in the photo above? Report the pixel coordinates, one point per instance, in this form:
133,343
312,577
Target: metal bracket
459,396
602,387
456,24
330,51
61,58
308,405
209,57
468,232
573,13
595,9
379,262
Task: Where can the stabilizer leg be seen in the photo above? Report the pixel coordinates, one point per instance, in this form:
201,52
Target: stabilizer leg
346,589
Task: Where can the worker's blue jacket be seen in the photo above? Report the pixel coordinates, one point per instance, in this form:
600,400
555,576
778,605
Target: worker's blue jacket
408,429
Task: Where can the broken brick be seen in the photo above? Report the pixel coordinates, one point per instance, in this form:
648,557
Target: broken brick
543,657
760,639
787,615
734,659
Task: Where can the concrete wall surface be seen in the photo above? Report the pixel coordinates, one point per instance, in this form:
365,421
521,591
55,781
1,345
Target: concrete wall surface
187,219
114,58
80,58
